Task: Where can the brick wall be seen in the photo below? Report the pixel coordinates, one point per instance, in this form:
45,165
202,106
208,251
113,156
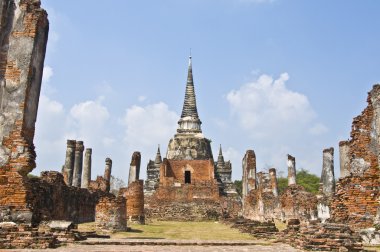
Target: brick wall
135,201
111,214
357,195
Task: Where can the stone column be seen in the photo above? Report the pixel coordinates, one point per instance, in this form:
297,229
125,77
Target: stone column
78,164
327,177
134,168
249,172
273,181
107,174
87,168
291,170
344,158
260,180
69,162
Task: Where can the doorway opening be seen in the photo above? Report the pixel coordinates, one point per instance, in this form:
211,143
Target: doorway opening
187,177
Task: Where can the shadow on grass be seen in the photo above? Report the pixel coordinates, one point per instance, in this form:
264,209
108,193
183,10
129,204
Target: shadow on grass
135,231
145,238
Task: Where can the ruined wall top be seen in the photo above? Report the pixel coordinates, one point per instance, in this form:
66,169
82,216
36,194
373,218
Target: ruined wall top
23,37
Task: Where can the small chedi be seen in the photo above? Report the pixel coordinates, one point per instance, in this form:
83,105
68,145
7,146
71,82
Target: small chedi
188,180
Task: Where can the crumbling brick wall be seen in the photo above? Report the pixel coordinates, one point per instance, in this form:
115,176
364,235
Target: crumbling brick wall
51,199
197,210
201,171
296,203
357,196
134,194
23,38
111,214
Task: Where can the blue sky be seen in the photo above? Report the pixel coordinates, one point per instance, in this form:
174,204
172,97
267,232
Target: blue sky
274,76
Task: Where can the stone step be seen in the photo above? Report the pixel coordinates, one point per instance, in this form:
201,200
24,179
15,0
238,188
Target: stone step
134,242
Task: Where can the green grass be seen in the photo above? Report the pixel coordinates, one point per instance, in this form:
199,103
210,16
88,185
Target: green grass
280,225
183,231
372,248
177,230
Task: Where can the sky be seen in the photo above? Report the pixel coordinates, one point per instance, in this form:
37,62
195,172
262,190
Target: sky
274,76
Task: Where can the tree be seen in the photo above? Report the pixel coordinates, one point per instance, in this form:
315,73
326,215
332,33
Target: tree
282,183
308,180
238,185
304,178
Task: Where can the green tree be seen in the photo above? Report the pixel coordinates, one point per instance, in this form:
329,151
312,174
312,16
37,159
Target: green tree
238,186
308,180
304,178
282,183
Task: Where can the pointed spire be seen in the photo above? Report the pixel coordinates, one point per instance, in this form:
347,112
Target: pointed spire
220,157
190,105
158,159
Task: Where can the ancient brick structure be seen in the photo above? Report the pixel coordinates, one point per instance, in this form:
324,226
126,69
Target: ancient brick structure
196,210
26,202
273,181
296,203
174,184
111,214
249,173
321,237
259,191
291,170
328,177
78,164
188,176
262,203
327,185
261,200
134,168
68,169
23,37
223,171
356,201
344,158
23,236
258,229
107,174
153,174
134,194
52,199
87,168
103,183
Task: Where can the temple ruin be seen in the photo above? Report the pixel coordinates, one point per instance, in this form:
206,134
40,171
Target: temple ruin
188,177
187,184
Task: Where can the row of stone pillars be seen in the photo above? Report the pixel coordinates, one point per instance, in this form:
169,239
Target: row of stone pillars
72,170
76,171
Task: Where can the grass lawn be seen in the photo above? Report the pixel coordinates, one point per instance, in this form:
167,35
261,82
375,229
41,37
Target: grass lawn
178,230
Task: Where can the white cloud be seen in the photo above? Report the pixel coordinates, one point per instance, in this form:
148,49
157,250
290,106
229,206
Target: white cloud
275,121
47,74
86,121
231,153
149,125
50,131
46,77
266,106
